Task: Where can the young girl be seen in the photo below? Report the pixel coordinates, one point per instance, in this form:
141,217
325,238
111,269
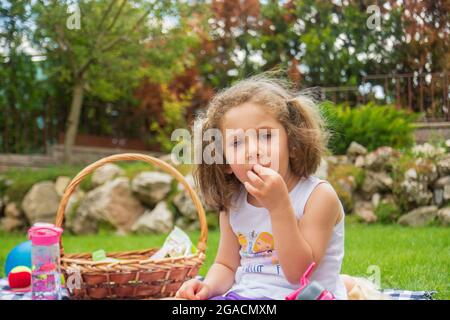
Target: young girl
276,217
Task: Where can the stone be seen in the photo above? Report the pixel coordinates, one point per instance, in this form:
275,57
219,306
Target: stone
381,159
438,197
106,173
61,184
359,161
151,187
376,198
184,204
415,192
443,216
365,211
355,149
187,225
12,210
158,220
41,202
112,202
322,170
9,224
441,182
419,217
446,193
375,182
443,166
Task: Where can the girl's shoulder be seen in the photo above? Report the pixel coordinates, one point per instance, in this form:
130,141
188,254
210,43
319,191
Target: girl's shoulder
324,193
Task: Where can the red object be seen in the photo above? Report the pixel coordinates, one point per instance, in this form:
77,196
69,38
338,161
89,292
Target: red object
20,279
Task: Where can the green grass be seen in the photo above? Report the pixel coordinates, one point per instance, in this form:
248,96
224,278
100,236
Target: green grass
408,258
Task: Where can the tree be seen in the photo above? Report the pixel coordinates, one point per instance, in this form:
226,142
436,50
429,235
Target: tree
117,44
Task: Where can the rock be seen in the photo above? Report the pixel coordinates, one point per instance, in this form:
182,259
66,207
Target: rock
359,161
376,198
355,149
61,184
415,192
446,193
184,204
322,170
444,185
190,180
151,187
9,224
447,144
443,166
106,173
112,202
376,182
13,211
444,216
441,182
186,224
73,204
159,220
438,197
365,211
381,159
419,217
41,202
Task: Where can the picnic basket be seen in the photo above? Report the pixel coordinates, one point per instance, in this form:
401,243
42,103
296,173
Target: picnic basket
134,275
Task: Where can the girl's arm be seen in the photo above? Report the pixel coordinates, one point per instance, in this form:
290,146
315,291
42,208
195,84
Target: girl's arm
300,243
220,276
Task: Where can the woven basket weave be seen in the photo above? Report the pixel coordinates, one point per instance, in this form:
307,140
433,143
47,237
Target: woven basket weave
135,275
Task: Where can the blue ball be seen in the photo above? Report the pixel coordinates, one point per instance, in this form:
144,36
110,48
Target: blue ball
20,255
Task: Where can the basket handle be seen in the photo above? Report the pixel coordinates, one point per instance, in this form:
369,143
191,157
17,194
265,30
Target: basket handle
201,245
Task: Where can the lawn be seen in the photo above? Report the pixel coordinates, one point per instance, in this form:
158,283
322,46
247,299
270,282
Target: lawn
408,258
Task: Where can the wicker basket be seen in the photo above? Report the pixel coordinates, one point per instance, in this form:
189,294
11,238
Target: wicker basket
135,275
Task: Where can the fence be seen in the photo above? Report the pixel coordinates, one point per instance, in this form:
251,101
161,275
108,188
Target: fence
426,93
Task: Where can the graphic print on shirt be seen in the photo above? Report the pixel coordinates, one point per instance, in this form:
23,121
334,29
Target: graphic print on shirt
258,252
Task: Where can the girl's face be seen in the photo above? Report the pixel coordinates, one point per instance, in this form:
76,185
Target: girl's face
253,135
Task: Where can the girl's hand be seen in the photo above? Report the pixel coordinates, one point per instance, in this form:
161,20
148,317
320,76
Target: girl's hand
268,187
193,290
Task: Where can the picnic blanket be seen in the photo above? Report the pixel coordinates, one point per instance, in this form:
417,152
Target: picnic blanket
7,294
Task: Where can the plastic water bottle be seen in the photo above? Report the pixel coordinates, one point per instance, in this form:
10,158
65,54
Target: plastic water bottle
46,271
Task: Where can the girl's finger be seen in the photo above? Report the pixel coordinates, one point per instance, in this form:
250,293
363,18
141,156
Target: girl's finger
256,181
189,293
202,294
253,191
263,171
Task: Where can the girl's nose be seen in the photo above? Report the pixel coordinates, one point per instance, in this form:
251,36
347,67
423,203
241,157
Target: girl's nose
253,152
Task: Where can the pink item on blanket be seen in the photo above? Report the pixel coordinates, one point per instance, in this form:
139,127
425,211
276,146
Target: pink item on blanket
310,290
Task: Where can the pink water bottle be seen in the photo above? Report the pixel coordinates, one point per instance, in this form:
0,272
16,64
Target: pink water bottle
45,272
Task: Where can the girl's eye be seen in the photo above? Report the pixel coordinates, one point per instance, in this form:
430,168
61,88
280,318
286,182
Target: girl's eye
235,143
266,136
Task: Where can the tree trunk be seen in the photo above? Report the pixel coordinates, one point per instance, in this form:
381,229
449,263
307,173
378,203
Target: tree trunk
73,120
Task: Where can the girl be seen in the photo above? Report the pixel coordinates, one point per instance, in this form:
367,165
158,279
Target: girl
276,217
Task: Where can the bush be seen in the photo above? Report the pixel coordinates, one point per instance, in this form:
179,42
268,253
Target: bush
387,212
371,125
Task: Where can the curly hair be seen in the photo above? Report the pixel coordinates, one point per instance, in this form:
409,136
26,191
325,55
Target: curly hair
297,112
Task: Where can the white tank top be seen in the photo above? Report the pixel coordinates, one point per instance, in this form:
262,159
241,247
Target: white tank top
259,274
